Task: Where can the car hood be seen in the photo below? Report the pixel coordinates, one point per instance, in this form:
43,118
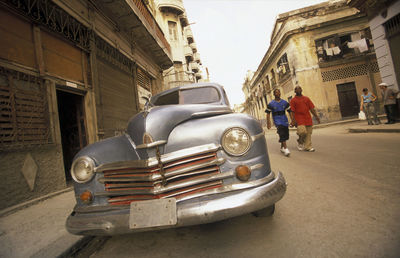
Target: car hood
159,121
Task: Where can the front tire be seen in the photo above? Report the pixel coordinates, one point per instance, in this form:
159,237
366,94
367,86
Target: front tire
266,212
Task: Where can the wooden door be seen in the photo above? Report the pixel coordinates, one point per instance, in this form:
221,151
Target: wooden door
348,100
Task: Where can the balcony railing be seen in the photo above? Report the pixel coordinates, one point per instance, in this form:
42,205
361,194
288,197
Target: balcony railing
189,34
188,52
193,46
175,6
196,57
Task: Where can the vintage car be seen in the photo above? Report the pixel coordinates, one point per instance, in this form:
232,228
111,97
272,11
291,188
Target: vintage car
186,159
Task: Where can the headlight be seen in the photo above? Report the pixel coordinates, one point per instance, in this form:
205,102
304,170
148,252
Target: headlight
82,169
236,141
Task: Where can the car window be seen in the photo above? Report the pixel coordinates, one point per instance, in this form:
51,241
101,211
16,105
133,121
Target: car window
201,95
168,99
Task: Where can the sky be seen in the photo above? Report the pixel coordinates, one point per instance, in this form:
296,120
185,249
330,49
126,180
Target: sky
232,36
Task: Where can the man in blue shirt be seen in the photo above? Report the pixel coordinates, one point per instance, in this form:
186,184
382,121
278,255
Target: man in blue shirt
278,107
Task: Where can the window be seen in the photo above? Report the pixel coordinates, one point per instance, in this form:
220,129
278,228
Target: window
267,85
24,119
273,80
283,66
173,32
199,96
337,47
143,80
202,95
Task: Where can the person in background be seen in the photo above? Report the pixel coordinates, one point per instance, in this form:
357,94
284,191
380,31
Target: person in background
301,106
389,102
278,107
367,106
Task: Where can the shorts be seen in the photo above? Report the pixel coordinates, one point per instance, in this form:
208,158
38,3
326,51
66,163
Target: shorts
283,132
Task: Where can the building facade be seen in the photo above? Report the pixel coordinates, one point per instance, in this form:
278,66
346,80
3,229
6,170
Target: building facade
384,21
328,50
187,67
70,74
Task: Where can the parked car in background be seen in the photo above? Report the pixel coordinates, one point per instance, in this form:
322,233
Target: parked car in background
186,159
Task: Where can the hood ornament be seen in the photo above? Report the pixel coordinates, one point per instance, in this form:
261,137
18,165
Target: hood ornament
146,110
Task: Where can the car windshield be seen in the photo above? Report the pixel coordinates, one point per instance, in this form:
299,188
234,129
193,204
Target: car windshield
201,95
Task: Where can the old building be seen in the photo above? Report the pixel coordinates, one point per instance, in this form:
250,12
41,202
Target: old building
328,50
173,20
70,73
384,21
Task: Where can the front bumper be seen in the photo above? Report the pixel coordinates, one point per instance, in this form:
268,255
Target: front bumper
199,210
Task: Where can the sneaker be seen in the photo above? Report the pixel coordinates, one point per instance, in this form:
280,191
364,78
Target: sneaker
311,150
287,152
300,147
283,150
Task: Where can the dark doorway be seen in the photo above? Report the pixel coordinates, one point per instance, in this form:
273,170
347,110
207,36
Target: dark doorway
348,100
72,126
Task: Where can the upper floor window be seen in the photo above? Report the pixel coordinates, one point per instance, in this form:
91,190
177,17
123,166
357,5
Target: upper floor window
346,45
273,80
267,83
283,66
173,31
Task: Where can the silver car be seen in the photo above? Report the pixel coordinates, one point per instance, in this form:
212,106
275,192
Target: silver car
186,159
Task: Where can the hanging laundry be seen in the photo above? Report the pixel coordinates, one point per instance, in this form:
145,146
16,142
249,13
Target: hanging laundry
333,51
336,51
360,44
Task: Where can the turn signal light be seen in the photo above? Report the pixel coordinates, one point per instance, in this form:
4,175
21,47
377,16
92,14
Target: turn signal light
243,173
86,197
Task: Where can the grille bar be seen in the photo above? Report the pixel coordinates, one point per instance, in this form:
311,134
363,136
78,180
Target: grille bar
185,175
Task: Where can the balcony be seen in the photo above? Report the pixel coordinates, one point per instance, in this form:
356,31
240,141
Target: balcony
133,17
334,50
193,46
196,57
183,19
194,66
171,6
188,52
198,75
189,34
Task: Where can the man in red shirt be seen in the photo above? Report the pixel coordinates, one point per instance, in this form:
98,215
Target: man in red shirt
301,107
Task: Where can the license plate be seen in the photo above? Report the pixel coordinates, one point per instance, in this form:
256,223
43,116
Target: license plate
152,213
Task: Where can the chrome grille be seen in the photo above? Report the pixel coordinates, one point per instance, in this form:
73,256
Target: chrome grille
183,175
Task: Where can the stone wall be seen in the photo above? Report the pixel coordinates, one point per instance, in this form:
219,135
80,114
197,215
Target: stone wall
30,173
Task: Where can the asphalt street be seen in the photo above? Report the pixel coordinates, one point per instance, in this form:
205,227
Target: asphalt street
342,201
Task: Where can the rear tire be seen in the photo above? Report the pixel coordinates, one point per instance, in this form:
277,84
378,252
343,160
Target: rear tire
266,212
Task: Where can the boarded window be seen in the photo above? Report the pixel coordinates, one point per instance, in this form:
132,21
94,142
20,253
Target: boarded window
143,79
24,114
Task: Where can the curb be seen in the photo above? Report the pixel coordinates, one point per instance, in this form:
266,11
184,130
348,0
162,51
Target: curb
84,247
358,130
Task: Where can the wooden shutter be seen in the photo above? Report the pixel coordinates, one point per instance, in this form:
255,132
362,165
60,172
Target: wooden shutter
143,80
24,113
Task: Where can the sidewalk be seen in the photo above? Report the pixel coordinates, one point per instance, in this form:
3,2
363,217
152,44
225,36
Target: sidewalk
39,229
356,126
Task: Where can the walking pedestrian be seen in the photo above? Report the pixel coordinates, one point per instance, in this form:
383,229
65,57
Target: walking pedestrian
301,106
278,107
368,106
389,102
